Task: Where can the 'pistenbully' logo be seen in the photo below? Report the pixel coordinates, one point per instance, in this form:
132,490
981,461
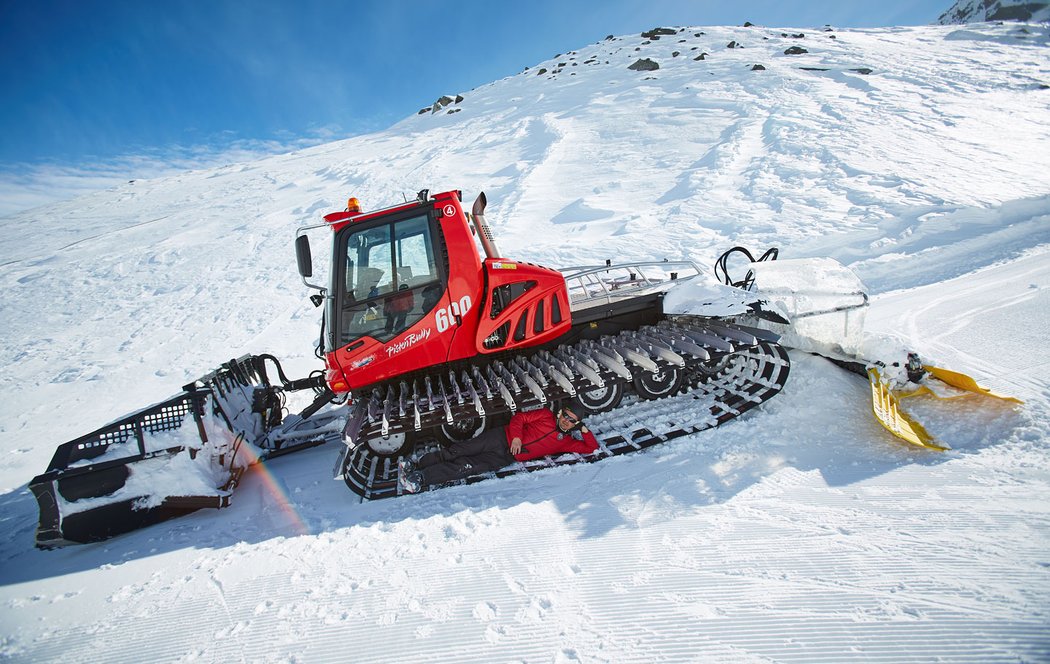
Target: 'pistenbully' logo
410,340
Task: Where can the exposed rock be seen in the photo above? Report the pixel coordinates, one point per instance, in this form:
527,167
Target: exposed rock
862,70
795,50
655,33
644,64
1017,12
702,56
758,68
748,24
444,101
733,44
541,71
675,54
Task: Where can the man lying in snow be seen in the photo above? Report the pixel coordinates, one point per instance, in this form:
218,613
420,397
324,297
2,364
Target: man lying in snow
528,435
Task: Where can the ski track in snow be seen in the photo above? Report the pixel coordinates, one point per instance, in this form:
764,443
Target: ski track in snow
801,532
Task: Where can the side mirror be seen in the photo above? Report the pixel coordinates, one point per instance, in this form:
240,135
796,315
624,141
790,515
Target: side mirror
302,256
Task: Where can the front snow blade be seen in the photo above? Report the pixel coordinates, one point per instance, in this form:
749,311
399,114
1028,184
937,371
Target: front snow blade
104,483
171,458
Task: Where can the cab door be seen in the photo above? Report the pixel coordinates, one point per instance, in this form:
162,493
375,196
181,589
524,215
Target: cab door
390,280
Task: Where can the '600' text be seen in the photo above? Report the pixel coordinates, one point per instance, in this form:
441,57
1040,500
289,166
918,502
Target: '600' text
446,316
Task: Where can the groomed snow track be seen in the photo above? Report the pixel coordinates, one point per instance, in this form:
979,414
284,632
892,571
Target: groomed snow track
727,369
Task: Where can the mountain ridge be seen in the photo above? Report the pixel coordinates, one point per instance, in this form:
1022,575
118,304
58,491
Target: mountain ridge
977,11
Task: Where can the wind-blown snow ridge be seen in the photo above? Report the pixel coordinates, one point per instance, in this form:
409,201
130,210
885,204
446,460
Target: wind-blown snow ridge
802,532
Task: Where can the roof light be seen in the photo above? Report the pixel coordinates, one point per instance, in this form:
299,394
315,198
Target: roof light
352,205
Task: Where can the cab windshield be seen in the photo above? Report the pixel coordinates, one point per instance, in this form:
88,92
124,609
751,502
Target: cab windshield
391,278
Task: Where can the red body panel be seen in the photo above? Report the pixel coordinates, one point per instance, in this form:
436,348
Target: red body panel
456,327
538,315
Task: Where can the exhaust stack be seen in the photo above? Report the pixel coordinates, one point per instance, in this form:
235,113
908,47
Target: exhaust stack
488,241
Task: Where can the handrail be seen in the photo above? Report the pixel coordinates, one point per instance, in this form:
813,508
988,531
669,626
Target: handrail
579,269
590,275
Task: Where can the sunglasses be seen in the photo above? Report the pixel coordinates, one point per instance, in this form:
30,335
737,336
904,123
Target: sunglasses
570,418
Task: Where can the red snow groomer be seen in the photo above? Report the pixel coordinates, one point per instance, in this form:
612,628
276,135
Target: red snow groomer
427,338
486,335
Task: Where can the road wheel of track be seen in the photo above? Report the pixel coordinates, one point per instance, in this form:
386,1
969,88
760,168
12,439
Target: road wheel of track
390,446
664,382
461,429
704,372
601,399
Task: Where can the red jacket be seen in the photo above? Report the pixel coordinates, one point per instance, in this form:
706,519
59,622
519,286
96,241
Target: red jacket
399,303
540,436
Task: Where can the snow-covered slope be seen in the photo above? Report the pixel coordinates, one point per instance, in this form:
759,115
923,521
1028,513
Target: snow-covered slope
803,532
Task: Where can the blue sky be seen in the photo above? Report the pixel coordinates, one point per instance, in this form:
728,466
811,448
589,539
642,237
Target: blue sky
101,91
